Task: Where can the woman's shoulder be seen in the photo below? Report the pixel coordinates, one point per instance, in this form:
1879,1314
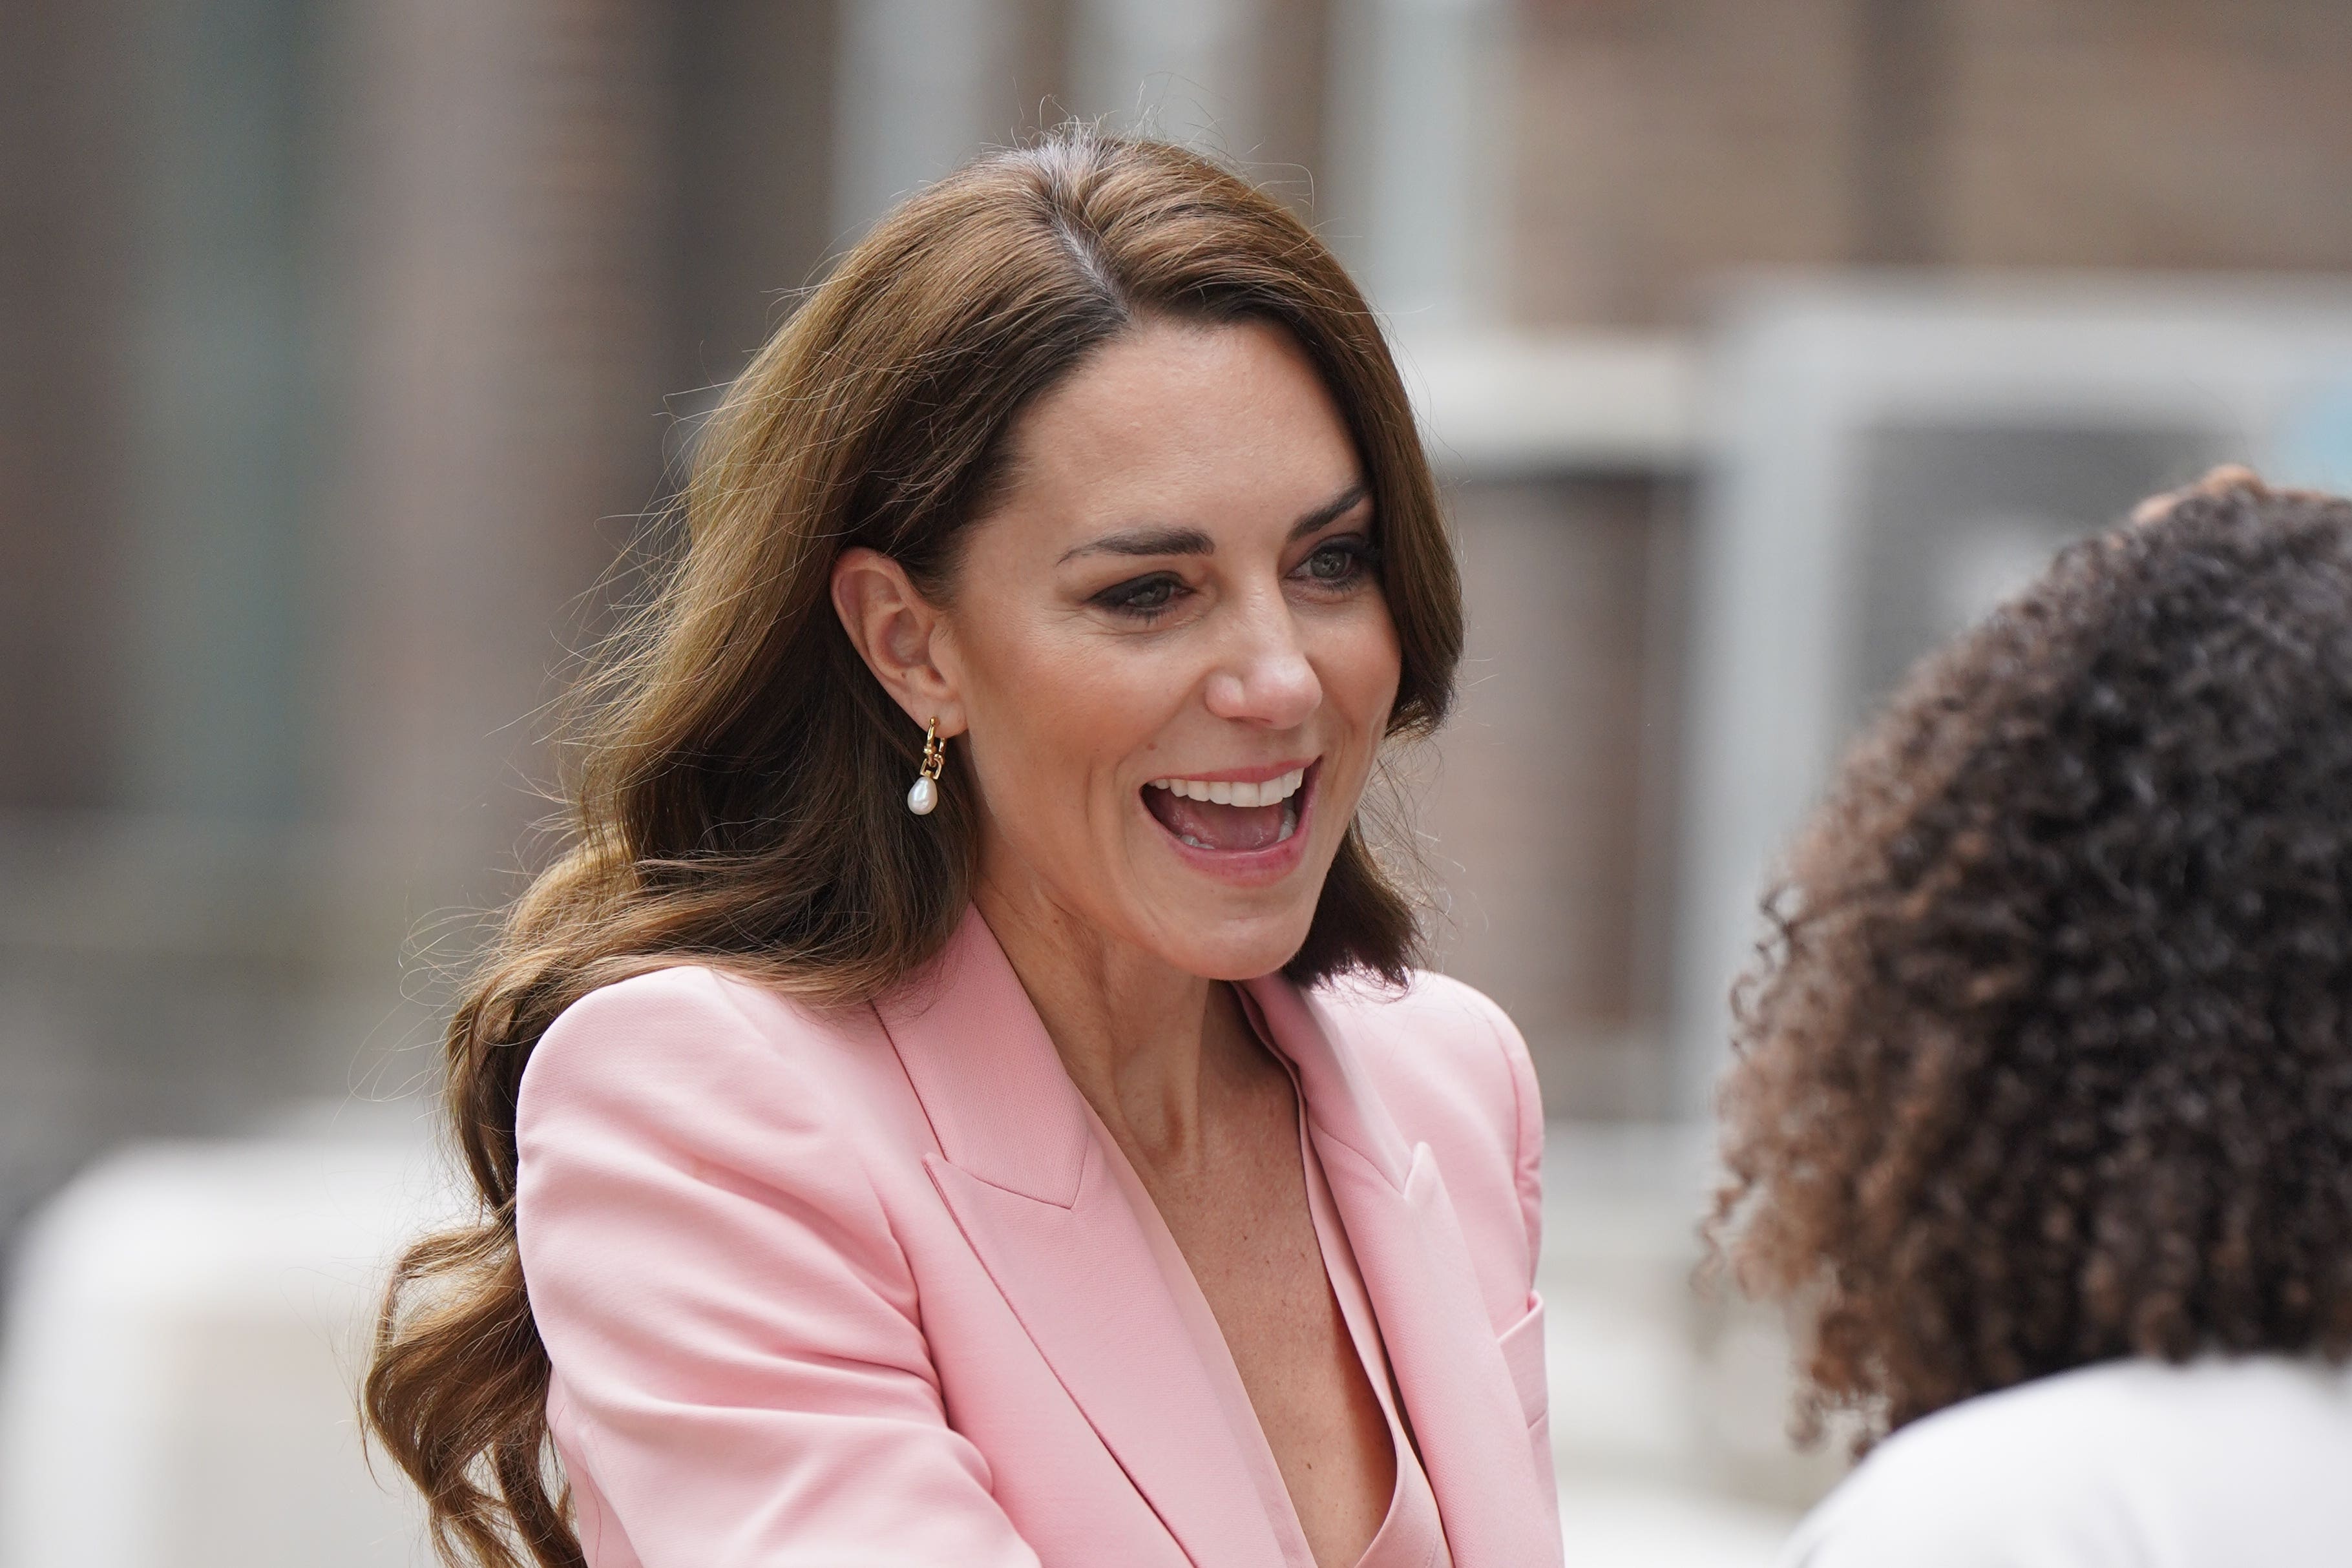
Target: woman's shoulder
1452,1071
690,1042
1437,1036
1433,1019
2061,1469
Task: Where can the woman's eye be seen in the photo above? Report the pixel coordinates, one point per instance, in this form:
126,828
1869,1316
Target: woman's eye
1143,596
1337,561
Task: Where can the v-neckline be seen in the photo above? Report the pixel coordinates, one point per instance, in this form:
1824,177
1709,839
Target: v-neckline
1406,1537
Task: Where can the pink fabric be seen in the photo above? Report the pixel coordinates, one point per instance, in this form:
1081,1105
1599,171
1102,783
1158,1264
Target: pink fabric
1411,1534
1414,1534
861,1287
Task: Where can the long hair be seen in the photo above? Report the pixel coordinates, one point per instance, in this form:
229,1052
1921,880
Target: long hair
2050,1060
734,790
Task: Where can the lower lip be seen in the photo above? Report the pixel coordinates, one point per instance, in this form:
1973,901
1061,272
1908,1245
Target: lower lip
1250,868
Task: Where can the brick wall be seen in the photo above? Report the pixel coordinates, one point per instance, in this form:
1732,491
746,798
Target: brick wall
1662,143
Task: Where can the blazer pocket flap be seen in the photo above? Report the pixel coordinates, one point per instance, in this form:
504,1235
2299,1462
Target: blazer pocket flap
1523,1352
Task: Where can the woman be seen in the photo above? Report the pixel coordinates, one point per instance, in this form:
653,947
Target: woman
2044,1115
924,1117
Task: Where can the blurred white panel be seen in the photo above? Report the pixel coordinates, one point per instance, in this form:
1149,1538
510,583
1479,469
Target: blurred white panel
185,1335
1613,1525
1670,1452
1188,71
1418,151
1886,457
1497,404
923,85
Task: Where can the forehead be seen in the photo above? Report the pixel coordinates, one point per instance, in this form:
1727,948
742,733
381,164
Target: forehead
1180,424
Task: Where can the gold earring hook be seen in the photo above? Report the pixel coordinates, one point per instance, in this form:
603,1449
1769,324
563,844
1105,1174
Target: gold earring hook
935,752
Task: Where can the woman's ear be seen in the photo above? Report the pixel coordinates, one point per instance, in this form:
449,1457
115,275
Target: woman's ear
897,632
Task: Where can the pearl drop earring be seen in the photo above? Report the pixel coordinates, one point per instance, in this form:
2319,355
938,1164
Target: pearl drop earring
924,797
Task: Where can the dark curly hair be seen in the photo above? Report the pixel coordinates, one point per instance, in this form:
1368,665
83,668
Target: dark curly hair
2049,1059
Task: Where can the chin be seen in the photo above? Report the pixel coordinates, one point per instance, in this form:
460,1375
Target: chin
1236,947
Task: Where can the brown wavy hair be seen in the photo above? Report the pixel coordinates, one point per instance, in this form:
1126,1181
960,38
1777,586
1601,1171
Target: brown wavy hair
2050,1060
734,795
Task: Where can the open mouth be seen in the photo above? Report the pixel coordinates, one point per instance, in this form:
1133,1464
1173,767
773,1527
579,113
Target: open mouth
1232,816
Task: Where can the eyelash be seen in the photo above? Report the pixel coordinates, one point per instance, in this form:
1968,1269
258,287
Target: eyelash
1361,556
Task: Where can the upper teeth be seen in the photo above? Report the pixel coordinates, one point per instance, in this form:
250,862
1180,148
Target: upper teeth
1272,791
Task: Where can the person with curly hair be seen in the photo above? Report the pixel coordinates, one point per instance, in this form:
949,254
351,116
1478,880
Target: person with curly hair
2040,1122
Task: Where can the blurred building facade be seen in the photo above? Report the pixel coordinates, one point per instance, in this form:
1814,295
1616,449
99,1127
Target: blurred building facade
345,346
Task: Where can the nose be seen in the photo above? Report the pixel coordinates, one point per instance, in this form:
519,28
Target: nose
1264,677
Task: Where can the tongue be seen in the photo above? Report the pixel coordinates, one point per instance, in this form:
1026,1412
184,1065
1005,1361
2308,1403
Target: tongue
1210,826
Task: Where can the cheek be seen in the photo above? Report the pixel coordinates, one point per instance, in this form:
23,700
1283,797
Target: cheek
1364,665
1051,713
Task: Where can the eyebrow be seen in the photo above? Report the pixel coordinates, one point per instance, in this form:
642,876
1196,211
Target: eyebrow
1161,540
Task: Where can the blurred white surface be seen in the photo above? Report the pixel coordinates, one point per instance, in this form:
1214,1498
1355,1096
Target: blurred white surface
176,1385
1669,1403
1496,403
1618,1525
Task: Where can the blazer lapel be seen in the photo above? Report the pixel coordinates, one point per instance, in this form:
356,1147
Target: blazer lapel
1020,1169
1466,1416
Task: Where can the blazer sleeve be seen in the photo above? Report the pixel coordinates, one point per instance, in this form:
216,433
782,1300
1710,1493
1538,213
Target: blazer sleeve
738,1356
1512,1103
1528,1128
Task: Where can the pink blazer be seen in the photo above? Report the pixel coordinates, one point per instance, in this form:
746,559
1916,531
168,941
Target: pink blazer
857,1288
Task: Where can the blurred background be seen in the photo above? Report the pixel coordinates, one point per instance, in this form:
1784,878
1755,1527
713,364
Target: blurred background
345,346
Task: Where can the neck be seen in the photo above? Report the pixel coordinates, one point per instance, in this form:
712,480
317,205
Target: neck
1154,1048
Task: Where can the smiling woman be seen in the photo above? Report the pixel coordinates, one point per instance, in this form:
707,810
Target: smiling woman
1174,585
1061,1164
